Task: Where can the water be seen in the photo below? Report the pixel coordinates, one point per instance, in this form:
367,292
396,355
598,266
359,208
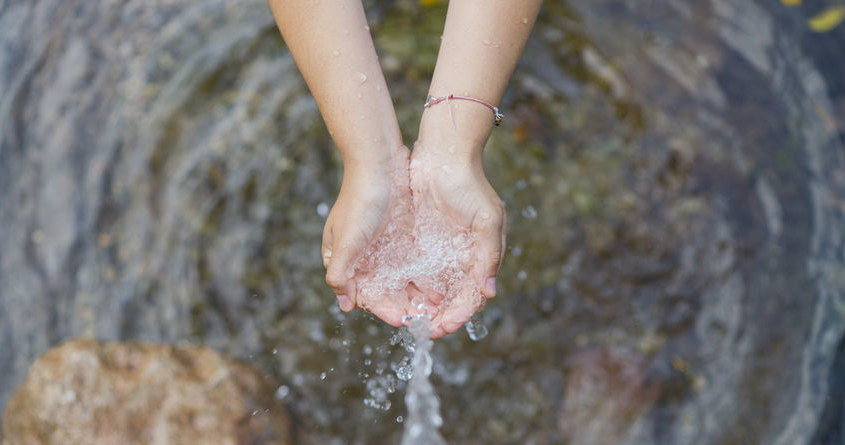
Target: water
162,168
423,421
476,330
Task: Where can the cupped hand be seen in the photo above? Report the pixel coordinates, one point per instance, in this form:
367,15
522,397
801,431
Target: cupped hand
424,237
371,197
456,188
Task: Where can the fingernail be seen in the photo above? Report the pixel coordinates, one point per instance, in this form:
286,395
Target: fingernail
490,288
344,302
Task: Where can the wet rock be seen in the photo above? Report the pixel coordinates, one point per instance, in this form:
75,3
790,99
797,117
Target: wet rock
88,392
606,395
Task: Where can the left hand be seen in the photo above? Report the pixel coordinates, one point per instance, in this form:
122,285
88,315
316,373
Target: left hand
457,189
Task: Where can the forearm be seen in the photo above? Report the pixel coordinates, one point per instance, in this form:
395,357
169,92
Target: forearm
482,42
331,44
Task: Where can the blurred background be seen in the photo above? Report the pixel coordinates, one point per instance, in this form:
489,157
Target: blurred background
674,175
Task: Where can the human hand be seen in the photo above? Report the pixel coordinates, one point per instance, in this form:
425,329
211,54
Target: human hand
396,256
372,195
455,187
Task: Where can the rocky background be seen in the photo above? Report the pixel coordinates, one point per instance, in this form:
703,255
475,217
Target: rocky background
674,175
88,393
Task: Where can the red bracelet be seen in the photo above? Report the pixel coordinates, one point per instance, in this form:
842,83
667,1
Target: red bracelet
497,116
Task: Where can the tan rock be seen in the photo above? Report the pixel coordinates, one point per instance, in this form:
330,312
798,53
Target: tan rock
93,393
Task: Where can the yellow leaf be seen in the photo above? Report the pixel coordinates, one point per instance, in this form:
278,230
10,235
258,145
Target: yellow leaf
430,3
791,2
827,19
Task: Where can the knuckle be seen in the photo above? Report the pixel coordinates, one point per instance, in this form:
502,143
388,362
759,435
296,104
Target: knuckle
327,257
335,279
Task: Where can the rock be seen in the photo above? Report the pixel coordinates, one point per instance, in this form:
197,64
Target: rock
607,393
89,392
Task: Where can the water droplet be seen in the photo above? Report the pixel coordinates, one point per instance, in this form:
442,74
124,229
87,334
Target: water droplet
323,210
521,275
476,330
404,371
521,184
516,251
282,392
362,78
275,351
322,376
368,349
529,212
383,405
255,412
400,419
379,389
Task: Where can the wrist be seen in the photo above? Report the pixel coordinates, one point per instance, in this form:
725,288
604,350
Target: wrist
377,159
381,169
455,130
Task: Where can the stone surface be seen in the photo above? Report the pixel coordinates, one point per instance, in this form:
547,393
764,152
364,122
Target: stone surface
607,394
87,392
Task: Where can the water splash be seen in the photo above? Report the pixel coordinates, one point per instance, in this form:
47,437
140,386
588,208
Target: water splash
379,388
476,330
423,420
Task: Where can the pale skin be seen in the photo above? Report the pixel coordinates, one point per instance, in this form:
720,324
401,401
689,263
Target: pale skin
481,44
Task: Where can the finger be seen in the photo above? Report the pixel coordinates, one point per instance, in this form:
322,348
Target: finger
455,317
425,296
340,288
339,275
489,231
348,300
502,248
390,313
326,248
437,332
433,298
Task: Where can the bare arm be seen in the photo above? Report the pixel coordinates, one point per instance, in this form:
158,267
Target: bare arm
331,44
482,42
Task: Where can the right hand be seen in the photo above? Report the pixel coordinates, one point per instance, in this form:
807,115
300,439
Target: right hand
368,194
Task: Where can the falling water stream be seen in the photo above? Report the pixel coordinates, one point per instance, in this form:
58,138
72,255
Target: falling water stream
424,420
674,174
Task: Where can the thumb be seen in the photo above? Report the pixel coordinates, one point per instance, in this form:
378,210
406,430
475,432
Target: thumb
338,261
490,232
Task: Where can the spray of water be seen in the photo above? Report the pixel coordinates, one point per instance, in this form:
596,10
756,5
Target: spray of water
423,421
